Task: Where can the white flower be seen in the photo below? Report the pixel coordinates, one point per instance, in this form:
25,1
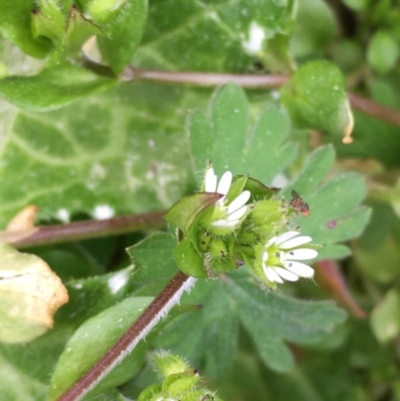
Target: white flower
229,215
281,255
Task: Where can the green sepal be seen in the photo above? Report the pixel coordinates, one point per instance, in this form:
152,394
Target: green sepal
79,30
148,393
123,34
184,212
258,190
189,259
236,188
48,21
15,25
221,251
103,11
180,382
223,265
269,216
168,364
255,267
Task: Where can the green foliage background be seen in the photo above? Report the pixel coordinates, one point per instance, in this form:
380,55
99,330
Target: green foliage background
82,140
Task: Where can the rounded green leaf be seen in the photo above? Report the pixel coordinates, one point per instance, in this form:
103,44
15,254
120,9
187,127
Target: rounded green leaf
383,52
315,97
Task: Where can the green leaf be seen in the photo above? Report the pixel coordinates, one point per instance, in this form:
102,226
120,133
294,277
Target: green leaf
315,97
90,342
124,34
231,145
215,36
335,214
383,52
15,24
270,319
211,344
21,378
314,169
153,258
385,318
90,296
57,86
98,156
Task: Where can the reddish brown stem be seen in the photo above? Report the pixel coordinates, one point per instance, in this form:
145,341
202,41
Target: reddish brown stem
82,230
205,78
377,110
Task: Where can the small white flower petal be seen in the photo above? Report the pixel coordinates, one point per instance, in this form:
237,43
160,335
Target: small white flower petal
225,183
301,269
210,181
271,241
225,223
239,201
301,254
265,256
285,237
272,275
294,242
286,274
238,214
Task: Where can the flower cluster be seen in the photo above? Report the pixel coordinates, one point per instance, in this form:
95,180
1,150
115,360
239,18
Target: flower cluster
244,223
281,257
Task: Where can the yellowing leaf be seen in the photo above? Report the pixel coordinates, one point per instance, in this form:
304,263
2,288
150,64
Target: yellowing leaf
30,294
24,219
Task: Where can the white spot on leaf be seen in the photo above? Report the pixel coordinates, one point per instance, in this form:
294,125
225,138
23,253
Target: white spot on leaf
102,212
118,281
255,39
63,215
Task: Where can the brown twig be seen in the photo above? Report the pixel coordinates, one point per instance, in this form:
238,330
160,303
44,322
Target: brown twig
82,230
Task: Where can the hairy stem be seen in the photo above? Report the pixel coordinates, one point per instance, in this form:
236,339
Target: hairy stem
44,235
157,310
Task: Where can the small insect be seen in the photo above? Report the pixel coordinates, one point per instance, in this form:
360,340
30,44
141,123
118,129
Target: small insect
298,204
